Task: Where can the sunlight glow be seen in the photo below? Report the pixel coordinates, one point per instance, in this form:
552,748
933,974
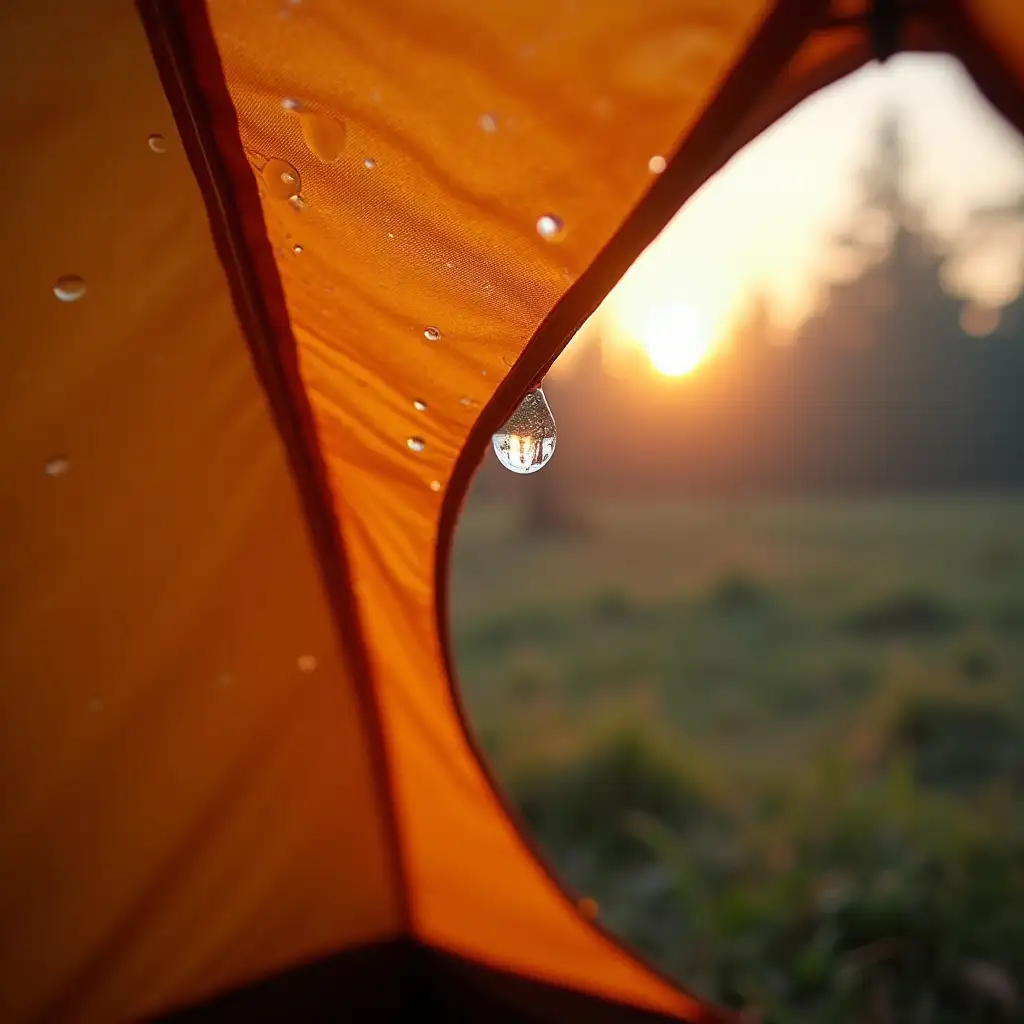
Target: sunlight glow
673,336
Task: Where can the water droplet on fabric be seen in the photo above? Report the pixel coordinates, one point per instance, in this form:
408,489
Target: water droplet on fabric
290,103
656,164
157,143
432,334
488,122
306,663
550,227
281,178
526,442
324,136
415,444
464,400
369,163
419,405
298,203
297,250
69,288
58,466
435,485
390,235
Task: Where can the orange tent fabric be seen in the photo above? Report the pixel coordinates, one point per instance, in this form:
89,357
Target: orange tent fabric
274,277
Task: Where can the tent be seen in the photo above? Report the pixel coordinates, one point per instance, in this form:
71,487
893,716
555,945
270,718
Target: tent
273,279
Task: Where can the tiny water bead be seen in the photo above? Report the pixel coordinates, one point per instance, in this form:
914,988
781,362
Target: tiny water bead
298,203
419,405
306,663
432,334
69,288
415,444
435,485
369,163
157,143
57,466
656,164
281,178
526,442
290,103
488,122
550,227
297,250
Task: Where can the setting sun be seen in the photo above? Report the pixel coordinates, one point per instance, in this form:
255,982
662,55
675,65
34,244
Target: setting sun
673,336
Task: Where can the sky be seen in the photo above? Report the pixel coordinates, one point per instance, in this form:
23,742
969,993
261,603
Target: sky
762,223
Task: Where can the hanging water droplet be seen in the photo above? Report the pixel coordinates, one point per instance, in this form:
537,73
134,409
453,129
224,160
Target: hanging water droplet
527,441
157,143
656,164
324,136
435,485
419,405
290,103
416,444
550,227
297,250
488,122
69,288
306,663
281,178
369,163
298,203
57,466
432,334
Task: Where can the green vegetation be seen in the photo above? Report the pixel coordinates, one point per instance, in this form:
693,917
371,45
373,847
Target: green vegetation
782,745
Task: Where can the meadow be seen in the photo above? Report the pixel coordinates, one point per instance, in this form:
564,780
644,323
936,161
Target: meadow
780,742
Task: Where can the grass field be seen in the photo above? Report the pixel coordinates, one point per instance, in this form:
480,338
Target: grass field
780,743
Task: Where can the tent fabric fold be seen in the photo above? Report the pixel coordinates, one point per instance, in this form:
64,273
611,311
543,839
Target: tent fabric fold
274,278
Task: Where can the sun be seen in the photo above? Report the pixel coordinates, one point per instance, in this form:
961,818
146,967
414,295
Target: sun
674,337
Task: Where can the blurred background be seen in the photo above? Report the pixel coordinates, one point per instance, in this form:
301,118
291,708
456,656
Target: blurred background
749,654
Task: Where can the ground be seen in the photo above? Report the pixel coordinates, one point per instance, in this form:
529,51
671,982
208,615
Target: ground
780,742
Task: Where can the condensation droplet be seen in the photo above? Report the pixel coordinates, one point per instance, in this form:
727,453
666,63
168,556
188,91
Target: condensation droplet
415,444
290,103
58,465
465,400
435,485
298,202
488,122
550,227
324,136
369,163
157,143
391,235
297,250
526,442
656,164
306,663
69,288
432,334
419,405
281,178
